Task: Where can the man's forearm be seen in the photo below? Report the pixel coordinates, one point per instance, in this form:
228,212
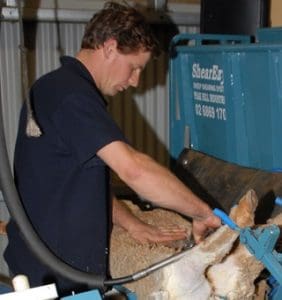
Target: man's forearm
159,185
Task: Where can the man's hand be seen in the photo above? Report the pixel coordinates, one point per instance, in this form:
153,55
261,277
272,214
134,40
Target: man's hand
202,227
143,232
146,233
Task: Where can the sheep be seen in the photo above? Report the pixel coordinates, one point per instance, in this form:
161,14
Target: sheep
186,278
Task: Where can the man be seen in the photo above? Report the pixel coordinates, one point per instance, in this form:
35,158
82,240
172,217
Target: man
63,176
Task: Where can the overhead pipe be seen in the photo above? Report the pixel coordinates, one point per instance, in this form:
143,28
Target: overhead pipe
158,4
155,16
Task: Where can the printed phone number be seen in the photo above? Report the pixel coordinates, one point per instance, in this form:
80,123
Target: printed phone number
211,112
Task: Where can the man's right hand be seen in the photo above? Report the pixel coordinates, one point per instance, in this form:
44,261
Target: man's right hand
201,228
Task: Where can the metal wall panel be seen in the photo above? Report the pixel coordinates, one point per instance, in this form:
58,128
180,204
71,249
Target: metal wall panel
10,101
10,80
141,113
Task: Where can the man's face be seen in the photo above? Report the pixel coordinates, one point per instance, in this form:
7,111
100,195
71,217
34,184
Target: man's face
122,70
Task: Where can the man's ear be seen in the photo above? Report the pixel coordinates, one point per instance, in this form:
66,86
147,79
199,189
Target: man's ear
110,48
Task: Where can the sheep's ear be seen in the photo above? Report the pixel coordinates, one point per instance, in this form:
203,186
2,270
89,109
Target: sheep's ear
243,214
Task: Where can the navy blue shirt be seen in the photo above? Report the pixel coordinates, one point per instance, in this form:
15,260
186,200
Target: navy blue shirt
63,184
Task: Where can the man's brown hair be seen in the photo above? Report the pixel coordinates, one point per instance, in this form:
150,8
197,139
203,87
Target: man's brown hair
123,23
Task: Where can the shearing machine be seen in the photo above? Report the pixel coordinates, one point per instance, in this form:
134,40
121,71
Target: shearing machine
225,121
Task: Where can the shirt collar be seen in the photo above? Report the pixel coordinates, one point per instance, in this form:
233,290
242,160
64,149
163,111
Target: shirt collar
78,67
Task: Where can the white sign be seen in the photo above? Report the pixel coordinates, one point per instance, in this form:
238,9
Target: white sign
208,92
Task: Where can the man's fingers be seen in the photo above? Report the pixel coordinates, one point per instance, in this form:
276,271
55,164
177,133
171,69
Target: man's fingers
199,231
163,235
213,221
173,230
202,228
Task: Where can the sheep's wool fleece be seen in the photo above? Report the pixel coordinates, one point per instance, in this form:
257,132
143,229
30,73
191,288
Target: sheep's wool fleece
127,256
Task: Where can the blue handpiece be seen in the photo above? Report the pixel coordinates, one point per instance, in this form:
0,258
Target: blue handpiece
225,219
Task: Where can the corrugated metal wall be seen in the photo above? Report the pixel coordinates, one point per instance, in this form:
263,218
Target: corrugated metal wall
141,113
10,101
